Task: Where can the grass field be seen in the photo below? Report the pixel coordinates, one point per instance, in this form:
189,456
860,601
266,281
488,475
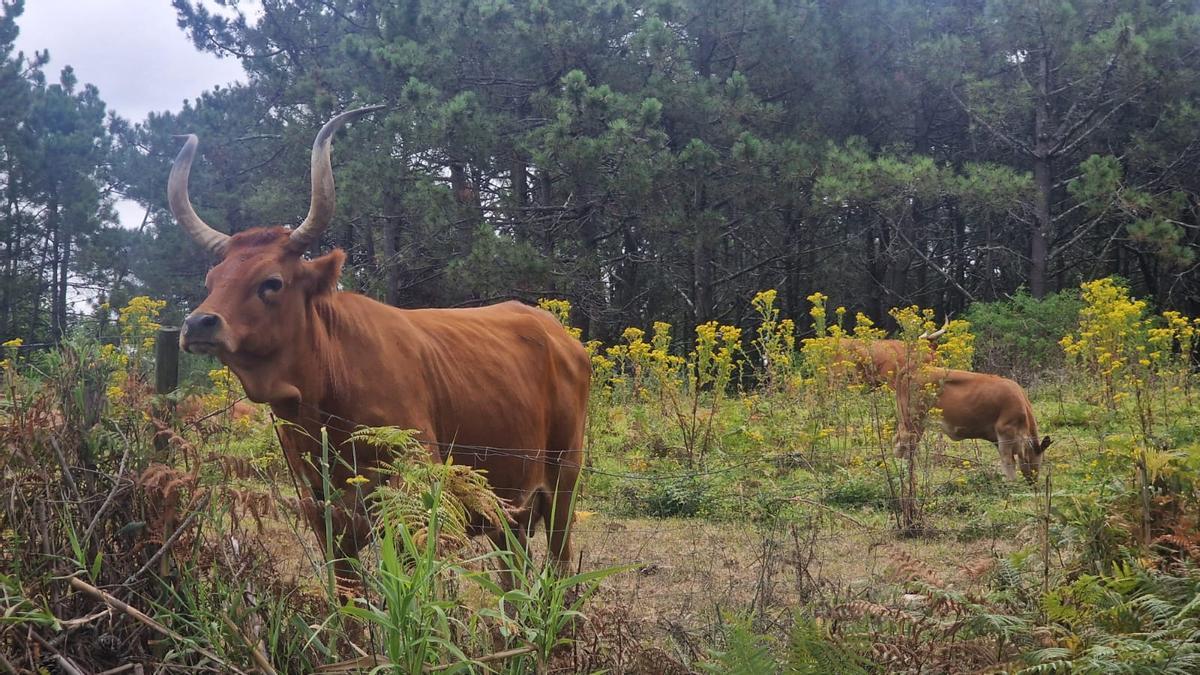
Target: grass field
742,511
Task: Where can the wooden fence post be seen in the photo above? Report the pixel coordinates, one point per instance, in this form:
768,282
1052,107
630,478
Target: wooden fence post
166,380
166,360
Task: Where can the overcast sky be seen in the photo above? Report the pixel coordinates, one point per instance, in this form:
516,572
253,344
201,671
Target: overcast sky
132,50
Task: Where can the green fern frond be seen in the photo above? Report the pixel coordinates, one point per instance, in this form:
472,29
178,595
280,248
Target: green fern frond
407,495
813,651
745,653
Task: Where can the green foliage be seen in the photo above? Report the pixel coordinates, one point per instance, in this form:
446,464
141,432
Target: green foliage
856,491
19,610
57,218
418,492
745,653
545,603
810,649
1129,620
641,161
667,498
1020,335
416,614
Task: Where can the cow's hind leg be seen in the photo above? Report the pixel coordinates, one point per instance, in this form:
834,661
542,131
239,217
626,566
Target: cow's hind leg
564,462
560,512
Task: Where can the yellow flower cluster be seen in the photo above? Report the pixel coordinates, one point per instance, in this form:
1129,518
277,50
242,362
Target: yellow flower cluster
138,320
10,350
1128,350
956,348
825,356
776,340
866,330
604,368
561,309
650,365
1110,324
714,359
818,312
913,321
227,389
1172,344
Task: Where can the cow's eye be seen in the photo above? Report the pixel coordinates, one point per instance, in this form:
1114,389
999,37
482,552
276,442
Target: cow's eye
270,287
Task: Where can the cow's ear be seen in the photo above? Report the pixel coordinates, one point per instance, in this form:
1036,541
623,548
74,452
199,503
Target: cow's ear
1045,444
323,273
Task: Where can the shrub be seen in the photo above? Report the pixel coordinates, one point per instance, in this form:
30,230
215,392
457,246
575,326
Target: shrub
1018,337
857,492
675,498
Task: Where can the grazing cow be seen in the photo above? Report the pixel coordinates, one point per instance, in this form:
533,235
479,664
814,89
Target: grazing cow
877,362
973,405
504,388
192,410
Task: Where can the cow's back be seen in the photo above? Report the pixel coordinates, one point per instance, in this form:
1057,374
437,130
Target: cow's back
980,401
505,377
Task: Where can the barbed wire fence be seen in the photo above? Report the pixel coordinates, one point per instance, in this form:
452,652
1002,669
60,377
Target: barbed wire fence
686,576
762,557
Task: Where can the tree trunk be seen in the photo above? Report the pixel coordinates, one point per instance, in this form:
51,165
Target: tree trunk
391,248
56,248
1043,177
8,293
63,279
544,196
702,258
520,197
792,297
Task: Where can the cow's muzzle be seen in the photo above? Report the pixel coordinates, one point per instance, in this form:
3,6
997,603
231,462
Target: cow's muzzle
201,333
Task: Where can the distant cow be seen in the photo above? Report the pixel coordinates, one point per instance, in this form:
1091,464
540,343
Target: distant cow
973,405
192,410
505,387
877,362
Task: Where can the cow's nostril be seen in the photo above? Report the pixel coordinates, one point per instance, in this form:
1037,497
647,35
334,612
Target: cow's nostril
202,324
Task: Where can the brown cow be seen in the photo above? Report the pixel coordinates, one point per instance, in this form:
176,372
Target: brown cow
192,410
877,362
504,386
973,405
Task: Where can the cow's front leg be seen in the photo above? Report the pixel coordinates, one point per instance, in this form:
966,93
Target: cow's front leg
1008,457
339,530
520,514
905,443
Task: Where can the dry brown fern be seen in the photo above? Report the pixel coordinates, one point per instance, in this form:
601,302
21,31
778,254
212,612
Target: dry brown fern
233,466
858,609
1179,545
256,503
907,568
978,569
894,655
168,491
974,655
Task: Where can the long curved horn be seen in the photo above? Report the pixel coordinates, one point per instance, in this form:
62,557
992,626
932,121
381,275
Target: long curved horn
181,206
937,333
320,209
